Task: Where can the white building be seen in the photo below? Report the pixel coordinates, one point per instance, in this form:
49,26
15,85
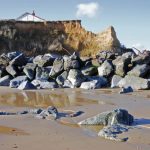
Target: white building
30,17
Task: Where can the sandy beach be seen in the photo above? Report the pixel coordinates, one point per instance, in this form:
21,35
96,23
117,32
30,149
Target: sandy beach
27,132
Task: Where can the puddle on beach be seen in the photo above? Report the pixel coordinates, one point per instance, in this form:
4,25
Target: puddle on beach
11,131
90,130
95,128
41,99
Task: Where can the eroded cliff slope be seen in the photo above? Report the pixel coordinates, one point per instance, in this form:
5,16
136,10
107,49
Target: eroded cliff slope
56,36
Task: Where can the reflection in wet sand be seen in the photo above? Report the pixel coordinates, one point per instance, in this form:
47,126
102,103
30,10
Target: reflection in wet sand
40,99
95,128
11,131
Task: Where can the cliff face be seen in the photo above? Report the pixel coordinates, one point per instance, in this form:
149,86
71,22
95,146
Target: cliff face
58,37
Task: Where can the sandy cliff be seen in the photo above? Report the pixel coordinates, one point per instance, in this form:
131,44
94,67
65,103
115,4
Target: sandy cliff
56,36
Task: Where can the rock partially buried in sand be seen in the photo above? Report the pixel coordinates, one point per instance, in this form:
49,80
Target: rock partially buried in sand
115,122
51,111
126,90
117,116
111,132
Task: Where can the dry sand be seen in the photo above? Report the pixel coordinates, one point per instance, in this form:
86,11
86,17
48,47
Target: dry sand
29,133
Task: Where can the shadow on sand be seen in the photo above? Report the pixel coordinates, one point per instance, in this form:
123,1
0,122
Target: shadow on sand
142,121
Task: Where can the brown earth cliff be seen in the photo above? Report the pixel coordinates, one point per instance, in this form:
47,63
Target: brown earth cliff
54,36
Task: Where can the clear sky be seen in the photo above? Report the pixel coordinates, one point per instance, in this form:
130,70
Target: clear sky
131,18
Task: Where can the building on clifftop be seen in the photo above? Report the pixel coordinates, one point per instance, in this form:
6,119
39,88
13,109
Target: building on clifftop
30,17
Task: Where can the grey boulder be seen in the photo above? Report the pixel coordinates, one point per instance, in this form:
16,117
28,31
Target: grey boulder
71,63
14,83
139,70
94,83
76,77
12,70
67,84
117,116
43,60
5,81
121,65
106,68
49,113
115,80
29,70
48,85
19,60
26,85
144,59
58,67
42,73
89,71
134,82
111,132
126,90
61,78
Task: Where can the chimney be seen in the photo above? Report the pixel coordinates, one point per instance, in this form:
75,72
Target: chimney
33,13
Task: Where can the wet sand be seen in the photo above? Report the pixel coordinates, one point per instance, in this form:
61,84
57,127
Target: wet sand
66,134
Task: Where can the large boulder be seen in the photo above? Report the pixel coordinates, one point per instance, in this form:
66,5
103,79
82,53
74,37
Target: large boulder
144,59
48,85
139,70
5,81
14,83
106,69
29,70
129,55
121,65
58,67
89,71
71,63
61,78
37,83
26,85
94,83
44,84
12,55
115,80
104,55
4,60
2,71
67,84
19,60
134,82
76,77
12,70
43,60
117,116
42,73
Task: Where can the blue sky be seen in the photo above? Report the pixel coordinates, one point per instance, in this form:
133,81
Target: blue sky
131,18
